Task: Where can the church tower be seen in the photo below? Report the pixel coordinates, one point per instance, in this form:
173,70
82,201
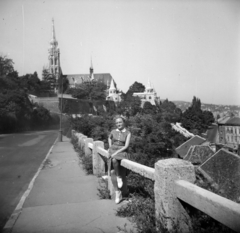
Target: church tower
54,55
91,71
112,93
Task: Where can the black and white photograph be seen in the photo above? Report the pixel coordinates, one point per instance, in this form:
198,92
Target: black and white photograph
119,116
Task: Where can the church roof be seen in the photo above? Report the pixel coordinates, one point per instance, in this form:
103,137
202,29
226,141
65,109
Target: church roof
112,86
80,78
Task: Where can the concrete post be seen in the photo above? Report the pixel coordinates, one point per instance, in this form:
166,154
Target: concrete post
170,212
98,163
73,133
79,139
87,150
82,142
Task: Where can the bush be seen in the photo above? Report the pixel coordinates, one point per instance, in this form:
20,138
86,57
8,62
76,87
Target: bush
85,160
103,191
87,164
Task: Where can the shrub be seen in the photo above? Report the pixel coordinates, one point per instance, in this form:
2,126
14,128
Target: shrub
87,164
103,191
85,160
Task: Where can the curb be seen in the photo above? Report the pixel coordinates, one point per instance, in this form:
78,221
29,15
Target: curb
14,216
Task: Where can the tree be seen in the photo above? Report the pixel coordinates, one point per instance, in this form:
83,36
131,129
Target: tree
169,112
90,91
194,119
49,78
31,83
136,87
63,83
130,106
148,108
6,66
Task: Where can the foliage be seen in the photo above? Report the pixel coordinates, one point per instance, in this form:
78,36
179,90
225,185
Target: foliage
195,120
16,111
49,78
63,84
135,87
6,66
103,191
85,160
148,108
40,116
90,91
129,107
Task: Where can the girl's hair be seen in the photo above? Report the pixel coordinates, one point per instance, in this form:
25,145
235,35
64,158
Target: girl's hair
120,116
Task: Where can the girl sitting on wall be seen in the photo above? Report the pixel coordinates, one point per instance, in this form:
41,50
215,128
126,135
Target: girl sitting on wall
118,140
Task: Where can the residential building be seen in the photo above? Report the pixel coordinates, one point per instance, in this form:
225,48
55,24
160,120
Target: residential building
229,131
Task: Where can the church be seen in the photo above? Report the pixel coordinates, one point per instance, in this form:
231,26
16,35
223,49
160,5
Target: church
149,95
75,80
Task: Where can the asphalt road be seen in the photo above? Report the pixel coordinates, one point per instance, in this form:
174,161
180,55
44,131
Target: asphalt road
20,157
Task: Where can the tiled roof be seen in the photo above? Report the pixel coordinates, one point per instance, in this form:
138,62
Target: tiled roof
183,149
229,121
79,78
223,168
198,154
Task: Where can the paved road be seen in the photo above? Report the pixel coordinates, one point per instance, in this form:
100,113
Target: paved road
20,158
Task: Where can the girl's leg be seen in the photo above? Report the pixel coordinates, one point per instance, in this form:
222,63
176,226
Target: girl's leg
118,193
116,166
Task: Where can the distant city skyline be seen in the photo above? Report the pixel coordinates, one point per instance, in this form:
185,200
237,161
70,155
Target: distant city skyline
185,48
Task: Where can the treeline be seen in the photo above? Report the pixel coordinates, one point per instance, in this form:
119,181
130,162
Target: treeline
17,112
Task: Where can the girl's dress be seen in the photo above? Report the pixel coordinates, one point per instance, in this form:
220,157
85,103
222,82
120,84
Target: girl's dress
118,141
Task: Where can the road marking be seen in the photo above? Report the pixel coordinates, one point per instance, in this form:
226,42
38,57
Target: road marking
13,218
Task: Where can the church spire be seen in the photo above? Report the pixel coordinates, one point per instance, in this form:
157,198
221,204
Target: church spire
54,57
149,84
91,64
112,87
91,70
53,41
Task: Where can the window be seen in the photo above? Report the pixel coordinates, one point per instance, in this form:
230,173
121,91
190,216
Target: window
150,97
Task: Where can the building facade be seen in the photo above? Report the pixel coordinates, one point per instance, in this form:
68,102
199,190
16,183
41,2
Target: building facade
229,131
149,95
113,94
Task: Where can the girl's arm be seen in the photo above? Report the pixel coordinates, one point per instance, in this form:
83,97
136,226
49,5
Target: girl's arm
110,144
125,146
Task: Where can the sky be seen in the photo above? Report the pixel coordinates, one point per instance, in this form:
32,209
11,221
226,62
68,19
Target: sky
185,48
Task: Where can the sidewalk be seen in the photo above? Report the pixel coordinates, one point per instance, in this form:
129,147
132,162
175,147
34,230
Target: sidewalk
64,199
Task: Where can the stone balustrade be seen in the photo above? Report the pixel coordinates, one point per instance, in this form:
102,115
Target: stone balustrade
173,187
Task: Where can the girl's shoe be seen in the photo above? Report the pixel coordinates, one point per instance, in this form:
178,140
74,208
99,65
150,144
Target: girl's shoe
118,198
119,182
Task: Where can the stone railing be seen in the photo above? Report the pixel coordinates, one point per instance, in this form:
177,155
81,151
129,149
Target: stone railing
173,187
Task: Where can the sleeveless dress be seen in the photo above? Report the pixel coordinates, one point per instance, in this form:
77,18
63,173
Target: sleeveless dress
118,141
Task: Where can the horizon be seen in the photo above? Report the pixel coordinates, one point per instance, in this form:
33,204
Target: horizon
185,48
